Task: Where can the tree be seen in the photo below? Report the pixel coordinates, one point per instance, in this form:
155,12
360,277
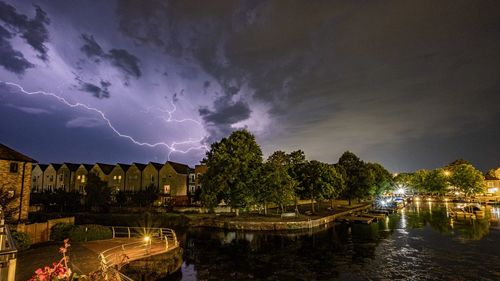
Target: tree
458,162
358,177
277,185
383,180
403,180
233,167
320,181
8,202
97,193
436,182
418,180
467,179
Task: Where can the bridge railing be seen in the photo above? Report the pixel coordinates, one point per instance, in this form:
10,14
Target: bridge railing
154,241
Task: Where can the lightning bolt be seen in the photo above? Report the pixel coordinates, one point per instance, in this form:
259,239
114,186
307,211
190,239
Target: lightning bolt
171,147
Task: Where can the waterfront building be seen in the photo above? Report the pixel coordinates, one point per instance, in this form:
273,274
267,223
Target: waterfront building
15,178
134,177
200,170
81,177
50,177
492,184
102,170
174,183
117,180
67,176
151,175
37,177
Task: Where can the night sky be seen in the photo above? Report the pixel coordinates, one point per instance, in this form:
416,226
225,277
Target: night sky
408,84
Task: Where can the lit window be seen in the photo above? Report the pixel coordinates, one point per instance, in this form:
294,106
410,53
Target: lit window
78,177
114,177
83,178
119,177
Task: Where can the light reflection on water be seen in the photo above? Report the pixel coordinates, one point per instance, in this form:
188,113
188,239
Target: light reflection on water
421,242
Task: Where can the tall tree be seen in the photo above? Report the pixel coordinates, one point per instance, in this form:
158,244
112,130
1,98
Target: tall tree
436,181
233,166
467,179
277,185
382,179
358,177
97,193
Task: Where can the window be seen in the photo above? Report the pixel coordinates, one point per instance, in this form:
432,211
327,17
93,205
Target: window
83,178
163,179
119,177
14,167
51,178
152,178
78,177
166,189
114,177
61,177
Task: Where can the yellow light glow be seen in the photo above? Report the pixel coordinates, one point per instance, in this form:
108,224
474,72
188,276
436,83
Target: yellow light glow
417,198
147,238
447,173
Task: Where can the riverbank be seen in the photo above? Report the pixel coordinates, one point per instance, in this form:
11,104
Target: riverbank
255,222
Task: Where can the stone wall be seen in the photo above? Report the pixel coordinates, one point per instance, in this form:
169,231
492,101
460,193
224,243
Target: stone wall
14,182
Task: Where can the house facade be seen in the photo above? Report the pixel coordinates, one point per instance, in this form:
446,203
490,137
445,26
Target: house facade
134,177
15,178
81,176
50,177
102,170
492,184
117,177
37,177
67,176
151,175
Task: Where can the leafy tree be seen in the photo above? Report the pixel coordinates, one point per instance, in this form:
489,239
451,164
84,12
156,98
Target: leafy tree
296,159
277,185
10,209
467,179
458,162
233,166
358,177
147,196
320,181
403,180
97,193
383,180
436,182
418,180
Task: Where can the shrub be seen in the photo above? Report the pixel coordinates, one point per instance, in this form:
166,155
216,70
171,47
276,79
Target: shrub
89,232
60,231
22,240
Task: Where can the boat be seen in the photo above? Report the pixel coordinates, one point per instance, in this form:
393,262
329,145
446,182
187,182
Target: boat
468,211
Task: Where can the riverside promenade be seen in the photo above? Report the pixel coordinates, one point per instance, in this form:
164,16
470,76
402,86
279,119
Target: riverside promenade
256,222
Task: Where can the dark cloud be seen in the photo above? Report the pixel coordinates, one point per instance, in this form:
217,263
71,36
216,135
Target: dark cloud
99,92
11,59
90,47
33,31
120,58
125,61
225,114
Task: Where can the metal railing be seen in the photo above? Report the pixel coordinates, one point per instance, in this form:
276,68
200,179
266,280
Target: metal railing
8,254
153,241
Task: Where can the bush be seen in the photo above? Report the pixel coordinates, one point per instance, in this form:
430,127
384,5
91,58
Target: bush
89,232
22,240
60,231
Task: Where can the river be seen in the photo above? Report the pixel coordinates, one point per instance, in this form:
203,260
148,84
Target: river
419,243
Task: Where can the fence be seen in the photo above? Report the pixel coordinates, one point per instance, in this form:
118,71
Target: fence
40,232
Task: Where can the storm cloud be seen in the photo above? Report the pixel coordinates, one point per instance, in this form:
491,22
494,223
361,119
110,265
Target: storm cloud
11,59
99,92
120,58
33,31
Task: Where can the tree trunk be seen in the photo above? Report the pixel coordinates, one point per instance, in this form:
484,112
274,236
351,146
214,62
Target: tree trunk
312,204
331,204
282,209
237,211
350,201
296,205
265,208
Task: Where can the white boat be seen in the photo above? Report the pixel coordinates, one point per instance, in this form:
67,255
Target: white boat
468,211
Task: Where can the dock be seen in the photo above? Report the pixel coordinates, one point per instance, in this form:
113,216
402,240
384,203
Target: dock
356,219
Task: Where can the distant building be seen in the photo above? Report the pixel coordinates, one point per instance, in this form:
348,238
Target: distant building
192,186
15,177
117,180
200,170
81,175
492,184
102,170
50,177
134,177
67,176
174,181
37,177
151,175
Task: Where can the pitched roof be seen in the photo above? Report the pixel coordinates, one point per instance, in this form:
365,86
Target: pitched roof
72,166
56,166
157,166
124,166
179,168
42,166
490,178
105,168
7,153
140,166
88,167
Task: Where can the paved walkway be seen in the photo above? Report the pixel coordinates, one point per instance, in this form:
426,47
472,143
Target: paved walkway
83,256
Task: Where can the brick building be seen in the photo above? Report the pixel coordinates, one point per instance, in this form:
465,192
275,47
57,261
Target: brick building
15,177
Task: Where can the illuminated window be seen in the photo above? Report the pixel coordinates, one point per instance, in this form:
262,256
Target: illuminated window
78,177
83,178
114,177
119,177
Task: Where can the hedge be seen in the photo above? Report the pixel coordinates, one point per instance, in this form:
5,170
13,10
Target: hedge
22,240
80,233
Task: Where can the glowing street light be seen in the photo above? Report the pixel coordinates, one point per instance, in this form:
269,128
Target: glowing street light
447,173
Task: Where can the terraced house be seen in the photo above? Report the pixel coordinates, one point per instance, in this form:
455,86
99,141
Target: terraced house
170,179
15,178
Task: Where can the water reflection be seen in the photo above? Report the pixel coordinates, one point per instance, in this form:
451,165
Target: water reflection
421,243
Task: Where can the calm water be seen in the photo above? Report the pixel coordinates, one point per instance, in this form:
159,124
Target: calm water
419,243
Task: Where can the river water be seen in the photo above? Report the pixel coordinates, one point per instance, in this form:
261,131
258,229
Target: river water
419,243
